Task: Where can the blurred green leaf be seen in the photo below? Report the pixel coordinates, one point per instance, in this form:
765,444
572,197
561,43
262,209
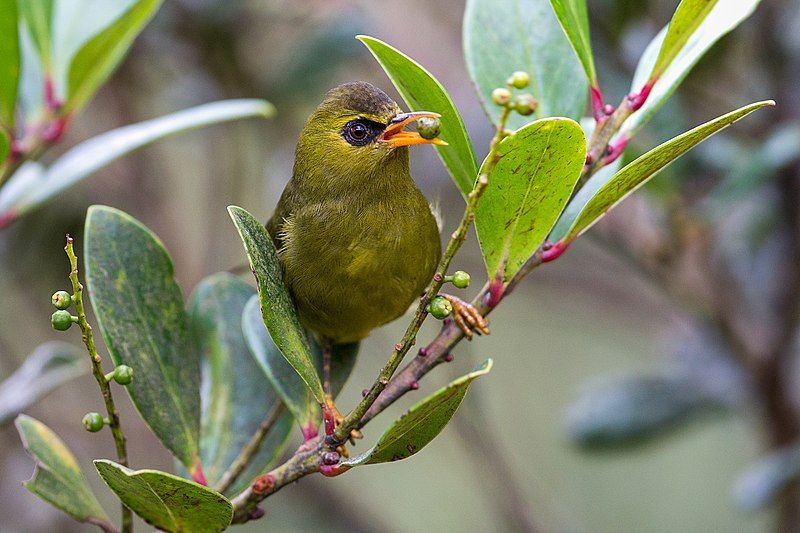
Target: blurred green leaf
422,92
724,17
9,70
139,308
575,23
90,156
532,182
235,395
420,425
49,366
165,501
98,58
38,16
501,37
277,307
764,482
57,478
633,409
636,174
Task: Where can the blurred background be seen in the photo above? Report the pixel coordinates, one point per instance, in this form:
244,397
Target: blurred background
620,303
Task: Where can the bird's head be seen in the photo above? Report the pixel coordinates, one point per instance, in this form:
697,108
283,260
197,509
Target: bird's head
356,131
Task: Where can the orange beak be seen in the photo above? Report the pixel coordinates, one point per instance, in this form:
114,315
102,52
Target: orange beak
394,134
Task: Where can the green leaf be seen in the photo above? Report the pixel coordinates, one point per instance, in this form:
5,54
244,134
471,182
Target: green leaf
575,23
688,16
57,478
98,58
503,36
764,482
9,68
420,425
38,16
48,367
634,409
638,172
277,307
532,182
139,308
235,395
291,388
423,92
90,156
167,502
724,17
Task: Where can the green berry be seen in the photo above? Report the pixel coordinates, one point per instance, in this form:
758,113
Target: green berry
428,127
519,79
440,308
93,422
61,320
525,104
501,96
62,300
123,374
461,279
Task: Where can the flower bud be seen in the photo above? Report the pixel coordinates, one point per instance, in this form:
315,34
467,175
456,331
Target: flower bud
461,279
93,422
62,300
428,127
501,96
123,374
519,79
525,104
61,320
440,308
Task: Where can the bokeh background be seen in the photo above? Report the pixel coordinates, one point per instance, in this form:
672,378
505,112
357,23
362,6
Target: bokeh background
506,461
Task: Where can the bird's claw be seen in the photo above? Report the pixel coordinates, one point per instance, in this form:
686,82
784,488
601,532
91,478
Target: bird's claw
337,420
467,318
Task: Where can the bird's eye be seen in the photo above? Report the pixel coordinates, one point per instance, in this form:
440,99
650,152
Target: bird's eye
360,132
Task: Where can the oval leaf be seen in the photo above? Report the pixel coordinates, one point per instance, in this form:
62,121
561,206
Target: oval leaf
48,367
764,482
139,309
58,479
637,173
420,425
501,37
9,67
724,17
235,395
532,182
90,156
277,307
575,23
165,501
423,92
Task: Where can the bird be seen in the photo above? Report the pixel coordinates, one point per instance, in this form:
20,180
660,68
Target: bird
357,239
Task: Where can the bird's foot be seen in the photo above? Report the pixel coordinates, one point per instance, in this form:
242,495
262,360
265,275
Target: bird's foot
336,419
467,317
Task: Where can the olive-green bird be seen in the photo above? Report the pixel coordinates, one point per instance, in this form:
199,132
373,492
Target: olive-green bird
356,237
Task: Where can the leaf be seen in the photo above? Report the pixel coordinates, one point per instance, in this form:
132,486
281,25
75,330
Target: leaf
575,23
291,388
90,156
423,92
634,409
98,58
638,172
420,425
724,17
764,482
57,478
509,35
687,18
236,397
532,182
48,367
38,16
277,307
165,501
139,308
9,69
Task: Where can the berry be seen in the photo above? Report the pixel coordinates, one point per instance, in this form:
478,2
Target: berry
428,127
461,279
93,422
519,79
62,300
61,320
525,104
440,308
123,374
501,96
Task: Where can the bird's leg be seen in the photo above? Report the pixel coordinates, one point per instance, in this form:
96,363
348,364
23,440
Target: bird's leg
331,414
467,317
